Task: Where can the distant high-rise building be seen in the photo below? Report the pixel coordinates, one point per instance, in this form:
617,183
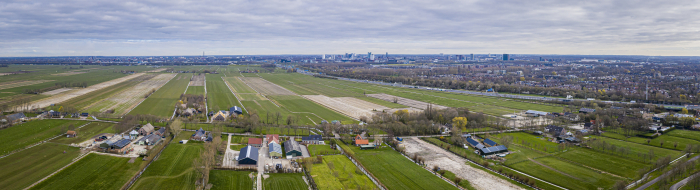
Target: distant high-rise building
472,56
323,56
371,57
369,54
541,59
386,55
505,57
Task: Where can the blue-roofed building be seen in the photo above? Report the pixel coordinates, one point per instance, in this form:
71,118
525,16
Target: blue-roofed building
248,156
490,142
121,146
17,117
236,110
473,142
312,139
492,150
199,135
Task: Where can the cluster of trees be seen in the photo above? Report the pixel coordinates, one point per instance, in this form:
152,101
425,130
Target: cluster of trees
208,158
680,171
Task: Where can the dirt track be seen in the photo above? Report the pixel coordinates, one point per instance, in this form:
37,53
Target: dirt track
436,156
405,101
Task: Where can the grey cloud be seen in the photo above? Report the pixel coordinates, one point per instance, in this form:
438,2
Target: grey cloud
298,26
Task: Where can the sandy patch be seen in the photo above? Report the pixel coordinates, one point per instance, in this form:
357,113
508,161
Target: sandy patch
129,98
264,87
57,91
436,156
352,107
405,101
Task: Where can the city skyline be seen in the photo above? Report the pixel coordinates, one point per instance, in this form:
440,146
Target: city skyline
134,28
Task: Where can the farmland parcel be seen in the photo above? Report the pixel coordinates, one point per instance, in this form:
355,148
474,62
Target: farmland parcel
129,98
22,169
94,172
162,102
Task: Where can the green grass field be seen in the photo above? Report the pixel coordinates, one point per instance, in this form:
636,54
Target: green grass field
219,97
22,169
87,101
669,141
321,150
239,86
285,181
173,169
532,141
688,134
94,171
251,97
87,132
609,163
396,171
338,172
196,90
162,102
636,148
238,147
25,134
230,180
301,105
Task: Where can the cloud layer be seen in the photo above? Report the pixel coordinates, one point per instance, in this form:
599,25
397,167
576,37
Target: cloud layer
188,27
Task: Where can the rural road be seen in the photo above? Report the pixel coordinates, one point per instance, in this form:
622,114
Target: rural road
652,182
683,182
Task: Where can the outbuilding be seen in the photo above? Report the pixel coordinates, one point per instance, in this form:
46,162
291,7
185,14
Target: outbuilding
248,156
146,130
275,150
255,142
236,110
312,139
292,148
70,134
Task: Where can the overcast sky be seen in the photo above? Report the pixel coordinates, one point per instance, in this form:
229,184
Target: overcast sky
240,27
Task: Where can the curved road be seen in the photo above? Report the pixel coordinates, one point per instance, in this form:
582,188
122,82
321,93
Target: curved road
652,182
683,182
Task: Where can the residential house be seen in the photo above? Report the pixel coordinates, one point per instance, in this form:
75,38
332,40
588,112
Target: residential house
189,112
248,156
556,131
292,148
146,130
70,134
273,138
275,150
359,141
199,135
220,116
312,139
255,142
84,114
586,110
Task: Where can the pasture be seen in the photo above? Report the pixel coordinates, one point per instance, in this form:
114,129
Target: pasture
172,170
665,141
219,97
321,150
396,171
238,86
196,90
25,134
162,102
230,180
87,132
22,169
338,172
126,99
94,171
688,134
285,181
531,141
605,162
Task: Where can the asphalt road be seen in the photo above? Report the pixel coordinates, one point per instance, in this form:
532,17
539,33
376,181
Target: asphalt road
683,182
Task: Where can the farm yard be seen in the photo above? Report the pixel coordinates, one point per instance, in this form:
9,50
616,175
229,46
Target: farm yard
127,99
349,106
94,171
285,181
436,156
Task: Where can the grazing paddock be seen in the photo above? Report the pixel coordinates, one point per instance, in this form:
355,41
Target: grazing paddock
172,170
338,172
79,92
229,180
22,169
57,91
87,132
251,97
405,101
637,149
532,141
94,172
609,163
349,106
162,102
396,171
21,83
285,181
317,149
25,134
688,134
195,90
264,87
665,141
129,98
219,97
197,80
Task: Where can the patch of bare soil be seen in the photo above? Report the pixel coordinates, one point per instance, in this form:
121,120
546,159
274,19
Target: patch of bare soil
264,87
405,101
436,156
